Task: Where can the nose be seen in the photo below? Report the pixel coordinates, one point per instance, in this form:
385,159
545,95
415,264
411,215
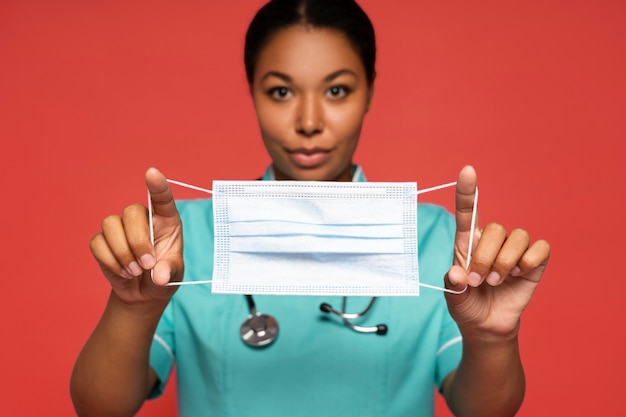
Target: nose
309,120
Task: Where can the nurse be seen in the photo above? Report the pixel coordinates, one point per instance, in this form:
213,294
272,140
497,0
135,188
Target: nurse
311,72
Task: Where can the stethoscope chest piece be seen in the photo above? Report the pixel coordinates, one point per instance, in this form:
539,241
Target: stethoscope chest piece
259,330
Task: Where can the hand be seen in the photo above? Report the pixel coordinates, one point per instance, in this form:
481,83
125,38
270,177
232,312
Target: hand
137,269
503,274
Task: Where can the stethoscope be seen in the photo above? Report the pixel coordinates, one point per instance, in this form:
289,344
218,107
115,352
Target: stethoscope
260,330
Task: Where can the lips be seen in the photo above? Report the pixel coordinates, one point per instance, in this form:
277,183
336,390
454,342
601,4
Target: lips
309,158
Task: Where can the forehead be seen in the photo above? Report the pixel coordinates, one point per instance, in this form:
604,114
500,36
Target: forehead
308,52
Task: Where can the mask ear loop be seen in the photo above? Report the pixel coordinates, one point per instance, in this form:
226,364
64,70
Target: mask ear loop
151,226
426,190
471,236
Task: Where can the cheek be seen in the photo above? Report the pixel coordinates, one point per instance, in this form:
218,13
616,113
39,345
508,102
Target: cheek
273,122
346,122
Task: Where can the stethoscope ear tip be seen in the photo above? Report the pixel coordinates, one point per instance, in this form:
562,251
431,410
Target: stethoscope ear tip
325,308
381,329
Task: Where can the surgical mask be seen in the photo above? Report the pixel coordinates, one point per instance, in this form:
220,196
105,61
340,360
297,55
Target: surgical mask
315,238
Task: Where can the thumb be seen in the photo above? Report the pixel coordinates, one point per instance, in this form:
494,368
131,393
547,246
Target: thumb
466,223
161,195
465,195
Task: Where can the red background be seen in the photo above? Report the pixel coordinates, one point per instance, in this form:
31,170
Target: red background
532,93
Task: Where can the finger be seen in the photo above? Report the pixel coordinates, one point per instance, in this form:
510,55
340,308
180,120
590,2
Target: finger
535,258
160,194
512,251
491,241
162,273
465,193
137,230
456,277
167,270
457,280
105,258
115,237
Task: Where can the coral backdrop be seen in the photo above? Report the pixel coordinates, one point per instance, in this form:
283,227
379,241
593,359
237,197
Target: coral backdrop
531,93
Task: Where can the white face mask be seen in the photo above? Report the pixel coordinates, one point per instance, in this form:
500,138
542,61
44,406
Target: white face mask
315,238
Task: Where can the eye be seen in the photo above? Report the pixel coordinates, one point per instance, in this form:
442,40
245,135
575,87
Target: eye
338,91
279,93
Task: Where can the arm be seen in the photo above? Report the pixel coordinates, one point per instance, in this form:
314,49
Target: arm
111,376
504,272
488,382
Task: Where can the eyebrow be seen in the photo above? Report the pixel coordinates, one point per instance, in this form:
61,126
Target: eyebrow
337,73
288,79
277,74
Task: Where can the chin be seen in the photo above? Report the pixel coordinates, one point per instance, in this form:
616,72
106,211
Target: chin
319,175
309,174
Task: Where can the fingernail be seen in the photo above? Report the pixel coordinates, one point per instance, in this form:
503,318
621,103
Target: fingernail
147,261
516,271
135,269
474,279
125,274
493,278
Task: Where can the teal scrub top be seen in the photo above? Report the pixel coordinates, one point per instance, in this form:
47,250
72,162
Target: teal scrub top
317,366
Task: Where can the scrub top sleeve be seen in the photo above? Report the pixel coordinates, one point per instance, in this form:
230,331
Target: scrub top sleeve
162,351
450,350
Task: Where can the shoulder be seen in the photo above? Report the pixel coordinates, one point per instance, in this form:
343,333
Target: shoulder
432,216
198,240
190,210
435,229
197,219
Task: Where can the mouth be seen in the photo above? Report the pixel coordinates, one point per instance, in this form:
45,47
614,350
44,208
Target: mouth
309,158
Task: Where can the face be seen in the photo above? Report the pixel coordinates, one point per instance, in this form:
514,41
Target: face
311,94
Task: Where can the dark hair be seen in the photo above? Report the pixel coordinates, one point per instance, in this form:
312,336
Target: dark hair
345,16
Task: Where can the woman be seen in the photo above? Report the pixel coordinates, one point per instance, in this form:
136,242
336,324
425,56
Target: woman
310,67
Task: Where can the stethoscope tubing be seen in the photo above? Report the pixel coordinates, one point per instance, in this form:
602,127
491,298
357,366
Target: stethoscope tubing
380,329
259,330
